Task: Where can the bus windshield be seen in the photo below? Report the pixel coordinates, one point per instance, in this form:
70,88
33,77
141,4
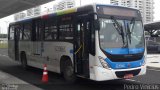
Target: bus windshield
135,34
110,36
121,33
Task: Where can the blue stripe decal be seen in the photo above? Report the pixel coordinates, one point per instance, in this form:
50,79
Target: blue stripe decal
124,50
53,14
136,50
71,51
117,50
124,65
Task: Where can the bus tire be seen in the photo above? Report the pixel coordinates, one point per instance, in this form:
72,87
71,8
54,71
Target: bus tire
68,72
24,61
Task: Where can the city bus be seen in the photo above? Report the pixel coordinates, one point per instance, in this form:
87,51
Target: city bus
97,42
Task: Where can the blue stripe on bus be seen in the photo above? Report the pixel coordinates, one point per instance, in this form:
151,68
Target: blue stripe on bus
124,50
53,14
124,65
71,51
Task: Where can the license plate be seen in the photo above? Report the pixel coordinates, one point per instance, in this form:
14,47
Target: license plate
128,76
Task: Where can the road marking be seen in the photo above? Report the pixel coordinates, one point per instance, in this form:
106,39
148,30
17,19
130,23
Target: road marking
133,80
154,70
154,62
3,55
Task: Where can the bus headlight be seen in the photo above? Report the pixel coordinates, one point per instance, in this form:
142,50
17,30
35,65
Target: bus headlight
144,62
103,62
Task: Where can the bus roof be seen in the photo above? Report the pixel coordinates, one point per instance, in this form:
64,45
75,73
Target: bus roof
71,10
116,6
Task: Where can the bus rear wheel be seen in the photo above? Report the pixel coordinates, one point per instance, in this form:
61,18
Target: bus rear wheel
68,72
24,61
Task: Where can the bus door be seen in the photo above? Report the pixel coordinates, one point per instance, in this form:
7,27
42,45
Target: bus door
81,45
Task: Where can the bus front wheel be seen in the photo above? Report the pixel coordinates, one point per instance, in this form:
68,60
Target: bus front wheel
68,72
24,61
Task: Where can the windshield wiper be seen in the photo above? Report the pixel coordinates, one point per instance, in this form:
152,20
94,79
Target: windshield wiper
118,28
133,24
129,33
130,29
117,25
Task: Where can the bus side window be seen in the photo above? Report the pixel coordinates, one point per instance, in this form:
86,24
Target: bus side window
79,27
39,29
26,31
66,32
78,33
54,32
50,31
19,32
20,29
11,33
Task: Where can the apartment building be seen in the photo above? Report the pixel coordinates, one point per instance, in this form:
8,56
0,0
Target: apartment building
145,6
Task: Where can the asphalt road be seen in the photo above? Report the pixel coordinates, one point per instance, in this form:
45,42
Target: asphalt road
56,82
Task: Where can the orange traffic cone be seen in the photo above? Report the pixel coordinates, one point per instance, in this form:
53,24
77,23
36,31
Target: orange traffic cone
45,74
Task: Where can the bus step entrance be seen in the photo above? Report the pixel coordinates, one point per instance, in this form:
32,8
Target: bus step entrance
82,68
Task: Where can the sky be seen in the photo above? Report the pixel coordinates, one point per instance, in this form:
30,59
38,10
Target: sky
4,22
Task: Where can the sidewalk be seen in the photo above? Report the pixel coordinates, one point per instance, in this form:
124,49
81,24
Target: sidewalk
9,82
153,60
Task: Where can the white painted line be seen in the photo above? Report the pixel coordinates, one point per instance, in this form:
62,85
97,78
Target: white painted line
132,80
154,70
3,55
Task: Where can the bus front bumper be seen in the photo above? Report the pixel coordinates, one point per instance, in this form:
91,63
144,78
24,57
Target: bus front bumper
102,74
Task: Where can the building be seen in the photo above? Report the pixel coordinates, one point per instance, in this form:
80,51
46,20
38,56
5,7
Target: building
19,16
36,11
55,7
30,12
40,10
145,6
65,4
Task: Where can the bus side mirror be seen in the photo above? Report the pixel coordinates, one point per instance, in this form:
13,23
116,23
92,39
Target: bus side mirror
96,25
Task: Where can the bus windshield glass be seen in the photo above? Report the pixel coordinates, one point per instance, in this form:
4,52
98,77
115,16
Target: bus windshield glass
116,33
110,34
135,34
